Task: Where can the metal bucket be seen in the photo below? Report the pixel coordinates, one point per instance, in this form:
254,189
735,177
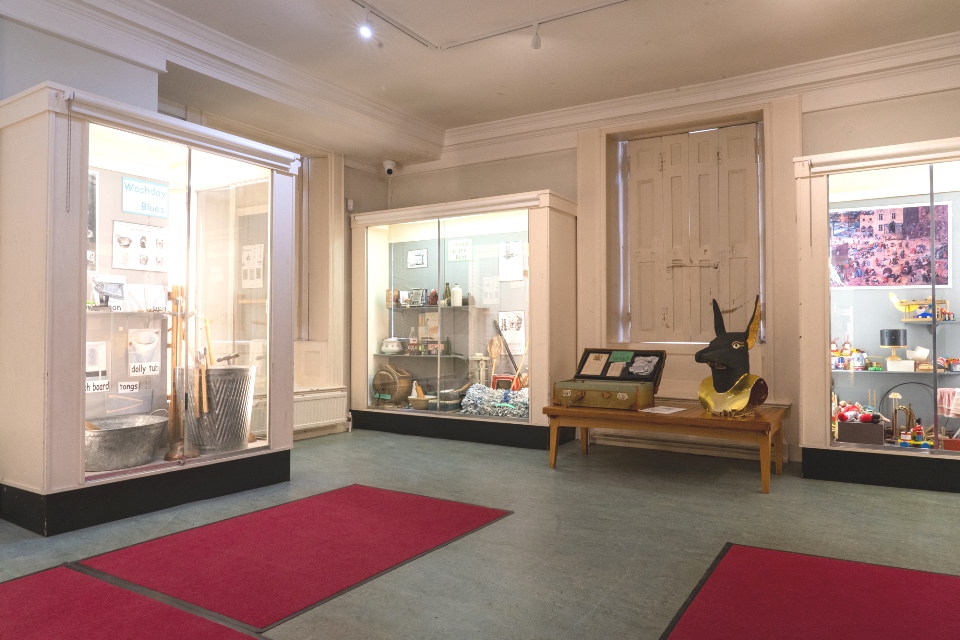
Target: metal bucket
226,426
123,441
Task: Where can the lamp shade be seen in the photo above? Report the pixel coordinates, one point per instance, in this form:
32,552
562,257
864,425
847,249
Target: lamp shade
893,337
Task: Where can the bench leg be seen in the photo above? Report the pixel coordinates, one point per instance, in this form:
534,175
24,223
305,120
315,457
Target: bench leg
778,450
764,441
584,442
554,433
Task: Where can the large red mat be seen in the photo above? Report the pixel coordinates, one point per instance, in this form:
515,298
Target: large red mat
62,604
264,567
762,593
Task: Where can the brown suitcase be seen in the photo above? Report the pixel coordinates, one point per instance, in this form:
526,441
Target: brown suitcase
612,379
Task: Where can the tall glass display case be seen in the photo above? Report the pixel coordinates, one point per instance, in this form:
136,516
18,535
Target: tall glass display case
463,312
162,266
881,226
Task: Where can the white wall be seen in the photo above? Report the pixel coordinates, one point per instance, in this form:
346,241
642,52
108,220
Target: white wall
927,116
368,191
29,57
556,171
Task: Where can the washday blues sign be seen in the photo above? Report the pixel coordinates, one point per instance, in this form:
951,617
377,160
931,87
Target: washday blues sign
145,198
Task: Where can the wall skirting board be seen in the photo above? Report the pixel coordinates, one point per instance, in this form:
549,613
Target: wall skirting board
527,436
904,471
95,504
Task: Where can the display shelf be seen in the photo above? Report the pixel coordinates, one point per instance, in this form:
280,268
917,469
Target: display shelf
407,355
435,308
926,321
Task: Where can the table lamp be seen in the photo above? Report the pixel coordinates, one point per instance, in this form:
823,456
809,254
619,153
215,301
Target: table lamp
893,339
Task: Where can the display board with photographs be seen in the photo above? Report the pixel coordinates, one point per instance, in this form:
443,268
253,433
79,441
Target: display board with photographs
889,246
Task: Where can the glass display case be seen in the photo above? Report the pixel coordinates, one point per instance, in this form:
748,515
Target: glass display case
453,314
178,263
149,359
452,319
889,373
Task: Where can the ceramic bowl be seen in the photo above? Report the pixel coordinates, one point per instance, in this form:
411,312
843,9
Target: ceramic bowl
420,403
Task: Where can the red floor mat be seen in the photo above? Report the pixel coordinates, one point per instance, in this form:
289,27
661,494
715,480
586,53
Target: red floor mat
263,567
62,604
761,593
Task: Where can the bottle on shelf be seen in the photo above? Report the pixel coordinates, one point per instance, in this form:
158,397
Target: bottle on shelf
413,343
456,296
446,294
447,347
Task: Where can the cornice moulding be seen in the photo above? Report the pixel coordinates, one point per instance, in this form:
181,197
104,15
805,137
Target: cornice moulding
161,35
941,52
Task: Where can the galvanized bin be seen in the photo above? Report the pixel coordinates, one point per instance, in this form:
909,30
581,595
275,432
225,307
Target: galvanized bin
225,426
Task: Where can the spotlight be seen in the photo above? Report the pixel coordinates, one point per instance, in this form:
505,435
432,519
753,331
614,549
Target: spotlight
535,43
366,31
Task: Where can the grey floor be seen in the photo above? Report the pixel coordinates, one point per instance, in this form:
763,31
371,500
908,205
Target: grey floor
605,546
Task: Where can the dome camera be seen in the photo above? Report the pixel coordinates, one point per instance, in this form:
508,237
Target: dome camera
389,167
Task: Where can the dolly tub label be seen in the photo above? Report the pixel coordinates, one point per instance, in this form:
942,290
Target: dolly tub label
145,198
138,369
95,386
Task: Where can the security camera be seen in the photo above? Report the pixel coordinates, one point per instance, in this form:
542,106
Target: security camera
390,167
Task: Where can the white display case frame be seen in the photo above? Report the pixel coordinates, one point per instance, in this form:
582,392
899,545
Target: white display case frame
551,232
811,173
43,152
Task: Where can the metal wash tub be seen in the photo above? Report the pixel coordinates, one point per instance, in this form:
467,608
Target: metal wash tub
121,442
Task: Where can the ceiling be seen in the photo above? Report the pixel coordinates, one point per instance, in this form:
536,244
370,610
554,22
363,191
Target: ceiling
631,48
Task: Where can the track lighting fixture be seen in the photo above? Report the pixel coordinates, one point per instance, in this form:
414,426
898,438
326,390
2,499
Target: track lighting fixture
366,31
535,43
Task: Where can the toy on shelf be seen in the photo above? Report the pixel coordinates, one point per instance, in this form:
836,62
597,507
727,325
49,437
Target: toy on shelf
915,438
923,310
846,357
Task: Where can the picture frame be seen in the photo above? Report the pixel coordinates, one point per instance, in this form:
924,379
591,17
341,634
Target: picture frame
888,246
417,259
417,297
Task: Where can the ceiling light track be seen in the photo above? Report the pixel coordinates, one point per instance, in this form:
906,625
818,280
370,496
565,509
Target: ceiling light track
534,23
371,10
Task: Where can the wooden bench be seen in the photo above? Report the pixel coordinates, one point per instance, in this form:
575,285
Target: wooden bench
763,429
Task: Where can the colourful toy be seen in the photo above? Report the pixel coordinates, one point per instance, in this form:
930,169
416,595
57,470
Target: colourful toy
915,438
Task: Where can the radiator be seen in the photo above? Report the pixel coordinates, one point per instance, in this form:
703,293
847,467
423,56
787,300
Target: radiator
319,409
311,409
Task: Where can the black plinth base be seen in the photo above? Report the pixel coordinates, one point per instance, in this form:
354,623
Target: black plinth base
95,504
527,436
904,471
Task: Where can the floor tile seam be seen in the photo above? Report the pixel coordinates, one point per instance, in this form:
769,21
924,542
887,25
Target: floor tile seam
163,598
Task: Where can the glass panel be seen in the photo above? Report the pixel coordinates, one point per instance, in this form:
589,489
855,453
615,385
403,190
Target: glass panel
403,329
882,306
485,263
136,253
946,188
227,347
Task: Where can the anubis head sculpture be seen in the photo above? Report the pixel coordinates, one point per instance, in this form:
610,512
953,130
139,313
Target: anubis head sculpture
727,354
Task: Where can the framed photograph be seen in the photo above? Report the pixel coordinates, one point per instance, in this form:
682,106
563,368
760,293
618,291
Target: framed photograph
417,259
889,246
417,297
